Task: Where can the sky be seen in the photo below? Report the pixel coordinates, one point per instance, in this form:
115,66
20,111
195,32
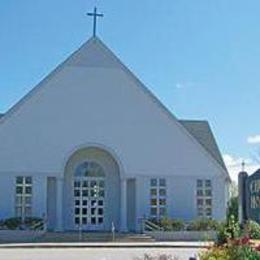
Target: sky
200,58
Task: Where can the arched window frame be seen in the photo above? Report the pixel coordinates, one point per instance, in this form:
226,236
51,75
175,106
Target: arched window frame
89,169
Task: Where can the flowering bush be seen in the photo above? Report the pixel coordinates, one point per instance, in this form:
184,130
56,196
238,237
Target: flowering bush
235,249
253,229
231,246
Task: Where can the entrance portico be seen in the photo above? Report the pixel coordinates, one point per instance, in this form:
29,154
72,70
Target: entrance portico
94,193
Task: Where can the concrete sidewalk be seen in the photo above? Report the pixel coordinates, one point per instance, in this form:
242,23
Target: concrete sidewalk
177,244
96,253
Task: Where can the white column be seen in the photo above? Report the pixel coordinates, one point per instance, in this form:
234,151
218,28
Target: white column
123,208
59,205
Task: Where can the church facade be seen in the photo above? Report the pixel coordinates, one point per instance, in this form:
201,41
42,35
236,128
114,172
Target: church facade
91,146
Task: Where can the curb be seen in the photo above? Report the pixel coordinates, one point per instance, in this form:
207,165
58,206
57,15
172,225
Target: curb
108,245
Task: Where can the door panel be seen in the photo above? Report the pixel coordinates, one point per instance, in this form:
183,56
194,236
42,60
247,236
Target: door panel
89,194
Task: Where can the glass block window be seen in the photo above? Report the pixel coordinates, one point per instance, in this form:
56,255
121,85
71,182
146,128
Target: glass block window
204,198
158,200
23,197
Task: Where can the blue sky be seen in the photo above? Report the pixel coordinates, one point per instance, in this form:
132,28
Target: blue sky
201,58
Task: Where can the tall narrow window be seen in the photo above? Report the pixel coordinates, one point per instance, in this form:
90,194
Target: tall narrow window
158,203
204,198
23,197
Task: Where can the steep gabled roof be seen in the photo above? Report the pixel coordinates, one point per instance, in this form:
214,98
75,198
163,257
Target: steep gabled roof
94,53
201,130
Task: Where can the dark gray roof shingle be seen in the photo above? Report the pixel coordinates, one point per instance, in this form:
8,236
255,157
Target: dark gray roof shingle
201,131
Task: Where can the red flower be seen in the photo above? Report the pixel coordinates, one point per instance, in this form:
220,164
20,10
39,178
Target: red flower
257,248
245,240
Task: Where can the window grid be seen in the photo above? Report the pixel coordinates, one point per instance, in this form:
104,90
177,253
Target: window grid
89,196
158,200
204,198
23,197
89,193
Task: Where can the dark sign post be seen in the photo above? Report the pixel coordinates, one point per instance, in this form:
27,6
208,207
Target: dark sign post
249,196
242,177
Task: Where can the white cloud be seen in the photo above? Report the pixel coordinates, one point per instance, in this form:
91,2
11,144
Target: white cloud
234,165
254,139
179,85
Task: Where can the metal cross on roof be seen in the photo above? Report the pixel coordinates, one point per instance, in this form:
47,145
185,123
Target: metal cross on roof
243,164
95,15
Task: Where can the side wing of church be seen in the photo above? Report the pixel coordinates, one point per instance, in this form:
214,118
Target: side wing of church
91,146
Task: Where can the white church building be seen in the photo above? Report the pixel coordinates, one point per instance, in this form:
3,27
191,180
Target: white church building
90,145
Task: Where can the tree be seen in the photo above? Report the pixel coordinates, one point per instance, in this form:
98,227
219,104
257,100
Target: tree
233,202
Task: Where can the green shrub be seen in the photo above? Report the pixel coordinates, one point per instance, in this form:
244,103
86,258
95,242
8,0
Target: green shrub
221,234
253,229
244,252
203,224
31,221
177,225
228,230
233,208
13,223
2,222
170,224
232,228
215,253
16,223
166,224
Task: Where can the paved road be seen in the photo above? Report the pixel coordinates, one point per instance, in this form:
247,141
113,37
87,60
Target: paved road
92,253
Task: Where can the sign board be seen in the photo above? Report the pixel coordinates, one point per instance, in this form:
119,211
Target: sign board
253,196
249,196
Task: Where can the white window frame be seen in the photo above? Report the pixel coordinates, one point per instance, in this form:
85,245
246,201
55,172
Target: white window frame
23,199
204,195
156,188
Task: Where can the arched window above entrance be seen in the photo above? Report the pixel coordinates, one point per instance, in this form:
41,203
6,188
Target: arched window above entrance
89,169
